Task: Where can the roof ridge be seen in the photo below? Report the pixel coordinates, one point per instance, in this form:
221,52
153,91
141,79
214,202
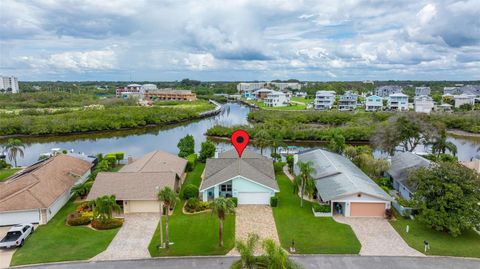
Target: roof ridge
346,174
256,169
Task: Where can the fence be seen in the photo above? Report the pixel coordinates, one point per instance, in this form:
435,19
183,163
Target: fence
404,211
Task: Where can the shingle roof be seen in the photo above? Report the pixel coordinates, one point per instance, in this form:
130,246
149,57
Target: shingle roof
39,185
228,165
402,164
336,176
157,161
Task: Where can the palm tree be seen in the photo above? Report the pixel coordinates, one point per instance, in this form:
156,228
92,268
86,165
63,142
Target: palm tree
222,207
441,145
306,171
14,148
276,141
168,197
275,257
247,253
262,140
81,190
104,207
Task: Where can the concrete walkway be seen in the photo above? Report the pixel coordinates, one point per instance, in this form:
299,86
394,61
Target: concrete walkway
256,219
378,238
132,241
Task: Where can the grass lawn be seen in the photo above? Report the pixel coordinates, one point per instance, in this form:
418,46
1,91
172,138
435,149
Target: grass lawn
302,100
292,106
311,234
195,177
56,241
466,245
5,173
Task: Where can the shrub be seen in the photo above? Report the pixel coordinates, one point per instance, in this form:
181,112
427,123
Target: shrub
203,206
119,156
4,164
234,200
112,224
192,204
83,207
76,219
278,166
191,161
323,208
273,201
384,181
88,214
111,159
389,213
190,191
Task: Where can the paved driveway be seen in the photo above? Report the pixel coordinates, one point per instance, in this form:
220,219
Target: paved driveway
5,254
378,238
256,219
132,241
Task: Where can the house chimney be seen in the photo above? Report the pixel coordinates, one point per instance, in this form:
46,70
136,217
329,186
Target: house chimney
129,159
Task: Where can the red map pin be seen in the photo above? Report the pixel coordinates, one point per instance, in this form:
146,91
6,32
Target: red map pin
239,140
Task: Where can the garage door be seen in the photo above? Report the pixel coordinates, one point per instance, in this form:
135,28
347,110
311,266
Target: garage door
12,218
142,207
253,198
367,209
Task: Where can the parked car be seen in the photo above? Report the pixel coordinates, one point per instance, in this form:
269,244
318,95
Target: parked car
17,235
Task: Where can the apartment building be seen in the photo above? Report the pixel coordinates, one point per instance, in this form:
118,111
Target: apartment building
131,90
398,101
9,84
348,101
169,94
373,103
324,100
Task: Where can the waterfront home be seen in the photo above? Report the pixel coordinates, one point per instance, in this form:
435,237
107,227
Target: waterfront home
262,93
419,91
397,101
300,94
373,103
464,99
348,101
423,104
324,100
385,91
37,193
275,99
136,185
250,178
402,163
169,94
342,185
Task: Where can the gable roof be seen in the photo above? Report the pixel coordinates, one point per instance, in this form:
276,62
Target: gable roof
335,176
42,183
157,161
402,164
251,165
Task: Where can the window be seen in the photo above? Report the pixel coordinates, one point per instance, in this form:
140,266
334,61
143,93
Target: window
225,187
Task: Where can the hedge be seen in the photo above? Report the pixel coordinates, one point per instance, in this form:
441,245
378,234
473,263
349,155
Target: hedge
112,224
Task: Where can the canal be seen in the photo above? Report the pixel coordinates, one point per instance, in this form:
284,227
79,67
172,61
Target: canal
140,141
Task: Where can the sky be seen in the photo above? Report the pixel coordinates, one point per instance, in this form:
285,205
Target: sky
240,40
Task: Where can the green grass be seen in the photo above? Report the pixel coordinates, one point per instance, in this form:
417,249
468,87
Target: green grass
56,241
302,100
292,106
5,173
195,177
311,234
466,245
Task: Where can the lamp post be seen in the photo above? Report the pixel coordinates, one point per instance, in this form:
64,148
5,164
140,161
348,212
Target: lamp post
161,225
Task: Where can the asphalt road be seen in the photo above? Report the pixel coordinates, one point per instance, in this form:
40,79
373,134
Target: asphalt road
308,261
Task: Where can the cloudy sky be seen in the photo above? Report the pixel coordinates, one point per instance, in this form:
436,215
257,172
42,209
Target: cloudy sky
240,40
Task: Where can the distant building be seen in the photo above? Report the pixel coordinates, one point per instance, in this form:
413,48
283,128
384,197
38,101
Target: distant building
286,85
254,86
464,99
300,94
9,84
262,93
250,86
169,94
324,100
348,101
422,91
471,90
134,90
275,99
373,103
385,91
398,101
451,90
423,104
149,87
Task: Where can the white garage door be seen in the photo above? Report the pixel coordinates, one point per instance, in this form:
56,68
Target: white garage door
12,218
253,198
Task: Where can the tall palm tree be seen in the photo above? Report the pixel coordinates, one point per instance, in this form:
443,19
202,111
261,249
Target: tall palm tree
247,253
168,197
441,145
104,207
276,141
262,140
306,171
14,148
222,207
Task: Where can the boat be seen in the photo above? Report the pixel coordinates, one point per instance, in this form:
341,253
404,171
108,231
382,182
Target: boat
289,150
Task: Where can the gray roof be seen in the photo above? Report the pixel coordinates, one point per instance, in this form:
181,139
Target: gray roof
228,165
402,164
336,176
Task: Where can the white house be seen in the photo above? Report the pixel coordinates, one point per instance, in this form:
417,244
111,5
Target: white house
464,99
348,101
9,84
250,178
423,104
324,100
373,103
275,99
398,101
37,193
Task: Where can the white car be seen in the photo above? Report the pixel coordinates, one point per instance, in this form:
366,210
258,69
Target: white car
17,235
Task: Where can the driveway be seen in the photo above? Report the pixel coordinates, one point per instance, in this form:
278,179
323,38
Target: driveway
256,219
5,254
378,238
132,241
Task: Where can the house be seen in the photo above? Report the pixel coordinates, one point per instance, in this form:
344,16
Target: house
250,178
169,94
385,91
402,163
262,93
422,91
397,101
423,104
324,100
340,183
464,99
348,101
373,103
275,99
300,94
134,90
444,108
451,90
136,185
471,90
37,193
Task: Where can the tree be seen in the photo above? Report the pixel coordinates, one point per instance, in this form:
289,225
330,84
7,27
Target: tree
276,257
447,196
186,146
247,253
337,143
104,207
440,145
290,162
465,107
168,198
81,190
14,148
276,141
222,207
207,151
306,171
262,140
